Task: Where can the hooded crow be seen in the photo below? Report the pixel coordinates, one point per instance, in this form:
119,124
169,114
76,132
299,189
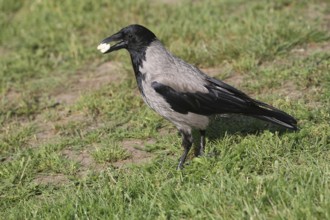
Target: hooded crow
182,93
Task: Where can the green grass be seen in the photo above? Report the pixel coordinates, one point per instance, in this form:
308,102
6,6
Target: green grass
77,141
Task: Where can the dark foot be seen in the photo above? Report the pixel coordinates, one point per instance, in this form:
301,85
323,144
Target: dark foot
186,144
201,149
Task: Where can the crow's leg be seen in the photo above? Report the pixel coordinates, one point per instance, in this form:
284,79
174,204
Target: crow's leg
186,144
201,149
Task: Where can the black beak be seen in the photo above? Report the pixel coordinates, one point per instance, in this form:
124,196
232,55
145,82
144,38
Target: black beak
105,46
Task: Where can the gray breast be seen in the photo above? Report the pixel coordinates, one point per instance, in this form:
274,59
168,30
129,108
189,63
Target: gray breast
163,67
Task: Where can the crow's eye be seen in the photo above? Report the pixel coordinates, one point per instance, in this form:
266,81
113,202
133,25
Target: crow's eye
130,36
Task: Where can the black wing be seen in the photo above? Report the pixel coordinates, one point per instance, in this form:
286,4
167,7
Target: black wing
220,98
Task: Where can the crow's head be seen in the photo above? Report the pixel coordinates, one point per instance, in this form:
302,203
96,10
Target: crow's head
134,38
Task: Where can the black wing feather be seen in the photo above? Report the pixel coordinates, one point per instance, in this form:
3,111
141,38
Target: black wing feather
220,98
179,101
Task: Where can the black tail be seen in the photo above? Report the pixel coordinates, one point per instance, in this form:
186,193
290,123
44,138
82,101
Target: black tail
269,113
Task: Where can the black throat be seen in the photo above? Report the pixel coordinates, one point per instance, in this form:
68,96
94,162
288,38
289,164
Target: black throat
137,58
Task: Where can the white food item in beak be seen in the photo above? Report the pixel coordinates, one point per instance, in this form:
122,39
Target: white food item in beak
104,47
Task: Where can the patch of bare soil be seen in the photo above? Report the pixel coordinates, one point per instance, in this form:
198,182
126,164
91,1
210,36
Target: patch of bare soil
136,149
234,80
317,11
299,52
170,2
214,71
85,161
106,73
82,157
3,51
289,89
307,50
45,132
55,179
48,130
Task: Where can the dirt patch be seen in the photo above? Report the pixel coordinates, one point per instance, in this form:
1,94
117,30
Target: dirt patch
64,124
82,157
93,79
54,179
45,132
214,71
3,51
289,89
106,73
317,11
299,53
170,2
85,160
234,80
136,148
309,49
12,94
220,72
86,165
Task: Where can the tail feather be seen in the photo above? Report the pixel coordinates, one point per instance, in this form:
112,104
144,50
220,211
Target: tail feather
278,122
269,113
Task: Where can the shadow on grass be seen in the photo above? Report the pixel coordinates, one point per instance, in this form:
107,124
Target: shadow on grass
233,124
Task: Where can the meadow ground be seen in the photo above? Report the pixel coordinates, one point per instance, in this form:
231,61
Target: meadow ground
77,141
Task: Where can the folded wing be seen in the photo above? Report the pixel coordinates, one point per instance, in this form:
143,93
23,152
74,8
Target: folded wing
221,98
